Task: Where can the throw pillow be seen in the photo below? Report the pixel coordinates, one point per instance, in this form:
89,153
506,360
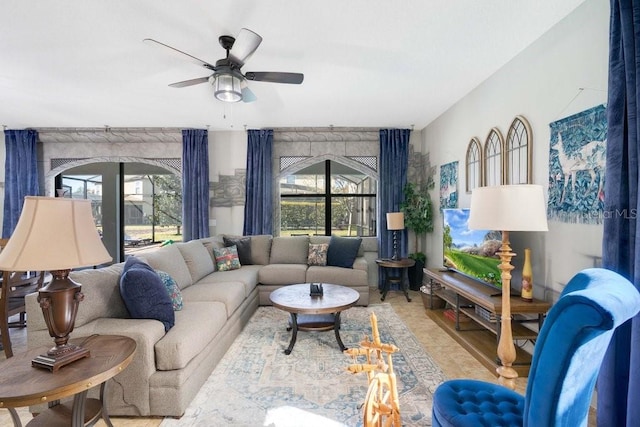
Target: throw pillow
144,294
227,258
318,254
343,251
243,246
172,289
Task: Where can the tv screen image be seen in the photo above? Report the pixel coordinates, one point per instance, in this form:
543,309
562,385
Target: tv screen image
471,252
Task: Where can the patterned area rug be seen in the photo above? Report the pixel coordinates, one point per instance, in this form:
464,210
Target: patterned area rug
256,384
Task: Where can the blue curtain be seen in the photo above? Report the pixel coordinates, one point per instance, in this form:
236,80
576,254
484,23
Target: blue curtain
258,207
20,175
195,184
619,379
394,159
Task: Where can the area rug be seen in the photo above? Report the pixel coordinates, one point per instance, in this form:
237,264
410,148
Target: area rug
256,384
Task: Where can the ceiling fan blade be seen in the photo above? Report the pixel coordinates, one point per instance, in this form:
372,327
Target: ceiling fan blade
275,77
246,43
193,59
247,94
191,82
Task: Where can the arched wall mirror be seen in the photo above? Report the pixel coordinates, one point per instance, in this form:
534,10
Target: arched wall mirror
493,158
474,165
519,146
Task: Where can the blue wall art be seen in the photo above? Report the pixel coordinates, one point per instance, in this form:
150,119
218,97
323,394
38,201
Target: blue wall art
449,185
577,154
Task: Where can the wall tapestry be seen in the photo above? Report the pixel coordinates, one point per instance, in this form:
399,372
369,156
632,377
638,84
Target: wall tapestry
449,185
577,153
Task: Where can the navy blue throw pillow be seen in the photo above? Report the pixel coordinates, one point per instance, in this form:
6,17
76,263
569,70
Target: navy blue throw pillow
144,294
343,251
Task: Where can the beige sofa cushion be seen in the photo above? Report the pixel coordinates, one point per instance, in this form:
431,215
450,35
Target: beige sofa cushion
196,325
283,274
337,276
197,259
212,242
231,294
169,259
101,289
289,250
261,249
247,275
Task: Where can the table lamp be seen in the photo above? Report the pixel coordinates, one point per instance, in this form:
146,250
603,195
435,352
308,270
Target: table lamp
395,222
507,208
56,234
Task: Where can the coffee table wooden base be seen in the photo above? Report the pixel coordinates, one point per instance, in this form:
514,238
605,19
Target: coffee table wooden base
314,322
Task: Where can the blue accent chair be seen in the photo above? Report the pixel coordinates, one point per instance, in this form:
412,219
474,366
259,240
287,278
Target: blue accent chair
566,360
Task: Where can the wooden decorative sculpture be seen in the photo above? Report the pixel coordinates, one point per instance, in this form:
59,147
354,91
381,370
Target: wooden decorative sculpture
381,406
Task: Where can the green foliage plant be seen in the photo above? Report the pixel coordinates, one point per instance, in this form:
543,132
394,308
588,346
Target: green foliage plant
418,213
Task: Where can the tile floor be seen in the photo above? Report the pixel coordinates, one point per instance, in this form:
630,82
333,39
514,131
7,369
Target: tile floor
454,360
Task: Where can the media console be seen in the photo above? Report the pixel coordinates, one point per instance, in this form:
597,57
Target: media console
476,309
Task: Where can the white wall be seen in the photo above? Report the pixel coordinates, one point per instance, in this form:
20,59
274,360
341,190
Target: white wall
541,84
227,152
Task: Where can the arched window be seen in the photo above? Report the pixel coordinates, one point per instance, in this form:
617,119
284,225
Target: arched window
519,148
493,149
328,198
474,165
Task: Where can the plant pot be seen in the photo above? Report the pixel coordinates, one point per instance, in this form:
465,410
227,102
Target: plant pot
415,275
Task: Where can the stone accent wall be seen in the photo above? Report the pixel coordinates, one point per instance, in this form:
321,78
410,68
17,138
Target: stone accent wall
229,190
421,171
63,148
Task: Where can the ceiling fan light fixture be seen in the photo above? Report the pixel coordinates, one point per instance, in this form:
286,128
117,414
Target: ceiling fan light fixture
227,88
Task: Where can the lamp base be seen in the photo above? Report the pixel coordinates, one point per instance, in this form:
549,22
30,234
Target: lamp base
53,362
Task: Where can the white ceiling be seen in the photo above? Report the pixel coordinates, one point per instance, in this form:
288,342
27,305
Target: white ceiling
367,63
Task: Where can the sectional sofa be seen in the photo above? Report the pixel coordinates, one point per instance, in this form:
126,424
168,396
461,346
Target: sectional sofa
169,367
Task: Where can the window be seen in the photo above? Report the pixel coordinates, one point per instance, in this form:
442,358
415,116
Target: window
85,187
328,198
134,204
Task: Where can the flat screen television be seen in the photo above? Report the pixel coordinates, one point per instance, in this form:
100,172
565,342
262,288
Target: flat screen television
473,253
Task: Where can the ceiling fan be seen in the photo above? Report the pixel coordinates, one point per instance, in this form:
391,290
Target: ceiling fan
230,84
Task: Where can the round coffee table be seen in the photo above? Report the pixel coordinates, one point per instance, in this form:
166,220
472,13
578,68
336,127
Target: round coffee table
314,313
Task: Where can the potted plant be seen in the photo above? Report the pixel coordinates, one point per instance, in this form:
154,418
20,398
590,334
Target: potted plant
418,217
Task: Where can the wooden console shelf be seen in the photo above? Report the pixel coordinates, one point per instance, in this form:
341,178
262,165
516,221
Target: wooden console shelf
481,307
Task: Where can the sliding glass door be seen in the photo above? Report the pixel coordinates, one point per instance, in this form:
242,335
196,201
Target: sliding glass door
135,205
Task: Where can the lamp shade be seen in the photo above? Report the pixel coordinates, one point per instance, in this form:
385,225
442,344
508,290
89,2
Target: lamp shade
395,221
508,208
54,234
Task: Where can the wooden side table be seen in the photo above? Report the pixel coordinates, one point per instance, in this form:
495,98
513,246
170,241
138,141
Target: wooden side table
403,265
23,385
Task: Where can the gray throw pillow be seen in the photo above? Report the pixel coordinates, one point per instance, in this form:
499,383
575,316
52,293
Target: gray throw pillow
243,245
